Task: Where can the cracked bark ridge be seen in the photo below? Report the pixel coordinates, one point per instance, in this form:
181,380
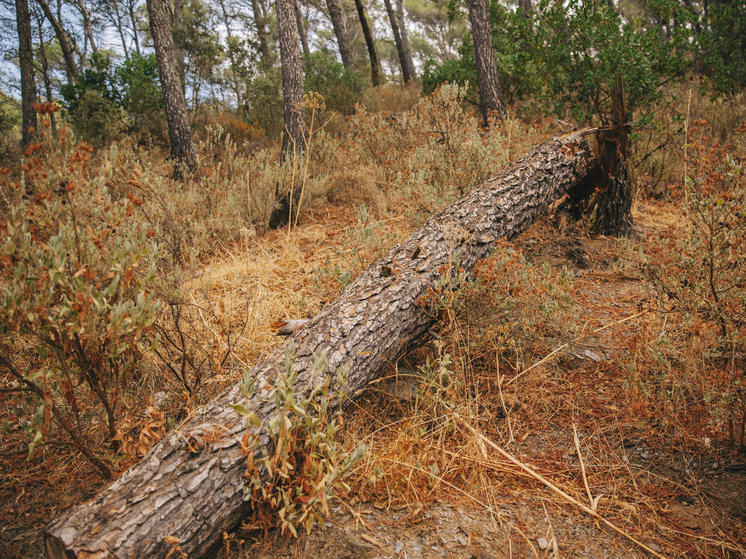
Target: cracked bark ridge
189,486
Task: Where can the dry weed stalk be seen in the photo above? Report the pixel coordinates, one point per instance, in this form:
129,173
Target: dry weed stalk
553,487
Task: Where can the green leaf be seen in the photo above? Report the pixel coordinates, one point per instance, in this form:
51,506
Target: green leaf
239,409
253,419
292,529
33,376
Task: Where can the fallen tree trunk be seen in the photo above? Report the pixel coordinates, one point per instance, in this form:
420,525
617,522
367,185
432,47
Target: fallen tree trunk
188,488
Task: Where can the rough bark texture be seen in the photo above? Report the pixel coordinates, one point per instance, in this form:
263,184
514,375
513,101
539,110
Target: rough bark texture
614,212
189,485
292,79
484,53
406,78
375,65
345,50
176,9
26,60
179,131
71,68
405,39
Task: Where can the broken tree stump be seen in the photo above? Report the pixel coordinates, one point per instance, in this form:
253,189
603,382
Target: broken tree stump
188,488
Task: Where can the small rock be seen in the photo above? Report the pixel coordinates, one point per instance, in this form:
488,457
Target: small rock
655,547
398,547
543,544
714,466
462,540
644,455
592,355
624,458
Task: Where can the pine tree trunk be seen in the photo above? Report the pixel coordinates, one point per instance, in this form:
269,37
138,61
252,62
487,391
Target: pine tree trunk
375,65
301,28
614,211
45,74
26,63
71,68
293,143
405,39
484,52
179,131
177,28
292,80
190,485
345,50
406,77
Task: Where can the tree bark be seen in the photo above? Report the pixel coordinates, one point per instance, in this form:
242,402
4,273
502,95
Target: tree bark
405,39
26,63
484,52
614,211
406,78
80,4
301,28
177,28
375,65
189,486
293,143
179,131
292,79
71,68
345,50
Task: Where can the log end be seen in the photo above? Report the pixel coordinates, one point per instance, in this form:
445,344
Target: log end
56,549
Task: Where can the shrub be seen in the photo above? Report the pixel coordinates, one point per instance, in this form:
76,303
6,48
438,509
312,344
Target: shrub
304,465
340,86
138,83
264,105
699,275
97,119
77,269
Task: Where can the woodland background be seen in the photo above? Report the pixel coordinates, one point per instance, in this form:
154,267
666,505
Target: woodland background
144,259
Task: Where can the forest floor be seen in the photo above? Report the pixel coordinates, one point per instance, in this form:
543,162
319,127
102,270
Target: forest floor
672,489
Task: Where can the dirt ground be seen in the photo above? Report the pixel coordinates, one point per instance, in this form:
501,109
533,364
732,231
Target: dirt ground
679,496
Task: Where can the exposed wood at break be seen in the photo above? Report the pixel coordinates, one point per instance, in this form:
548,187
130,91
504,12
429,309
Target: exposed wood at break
189,486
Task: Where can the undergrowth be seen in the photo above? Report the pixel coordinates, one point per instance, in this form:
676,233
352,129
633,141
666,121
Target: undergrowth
114,328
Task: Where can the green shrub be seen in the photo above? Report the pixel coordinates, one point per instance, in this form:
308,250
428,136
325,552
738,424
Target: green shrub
77,268
264,104
340,86
304,465
97,119
138,83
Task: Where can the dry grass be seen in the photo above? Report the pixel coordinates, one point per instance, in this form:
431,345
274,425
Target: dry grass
494,377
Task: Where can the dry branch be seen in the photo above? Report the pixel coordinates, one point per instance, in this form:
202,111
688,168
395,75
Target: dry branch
189,486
